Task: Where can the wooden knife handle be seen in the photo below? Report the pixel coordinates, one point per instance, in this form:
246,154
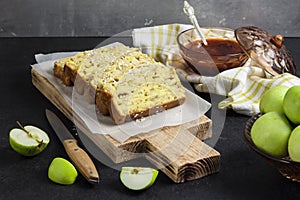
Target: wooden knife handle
81,160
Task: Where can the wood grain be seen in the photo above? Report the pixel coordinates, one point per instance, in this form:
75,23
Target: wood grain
81,160
177,151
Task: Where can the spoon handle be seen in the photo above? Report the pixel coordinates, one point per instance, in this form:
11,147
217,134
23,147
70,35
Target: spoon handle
189,11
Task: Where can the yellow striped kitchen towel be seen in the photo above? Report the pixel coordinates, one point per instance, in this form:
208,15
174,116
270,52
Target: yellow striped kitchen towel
242,86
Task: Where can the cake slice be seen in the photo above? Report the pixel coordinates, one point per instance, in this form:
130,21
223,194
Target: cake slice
140,92
59,71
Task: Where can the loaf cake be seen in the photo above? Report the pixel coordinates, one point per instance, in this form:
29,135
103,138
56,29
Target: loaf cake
123,82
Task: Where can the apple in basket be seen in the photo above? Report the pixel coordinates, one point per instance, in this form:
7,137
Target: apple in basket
270,133
294,145
272,99
291,104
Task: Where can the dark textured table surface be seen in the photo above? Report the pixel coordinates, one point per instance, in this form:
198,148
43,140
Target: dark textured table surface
243,174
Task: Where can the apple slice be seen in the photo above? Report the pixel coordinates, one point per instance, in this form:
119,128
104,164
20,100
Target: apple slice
61,171
138,178
28,140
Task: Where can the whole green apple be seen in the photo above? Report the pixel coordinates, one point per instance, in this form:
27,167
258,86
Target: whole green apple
270,133
291,104
272,99
294,145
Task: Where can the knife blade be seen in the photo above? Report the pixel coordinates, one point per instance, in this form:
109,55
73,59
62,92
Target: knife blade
80,158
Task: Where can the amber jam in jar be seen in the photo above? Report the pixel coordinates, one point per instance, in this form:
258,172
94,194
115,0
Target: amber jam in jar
216,46
218,55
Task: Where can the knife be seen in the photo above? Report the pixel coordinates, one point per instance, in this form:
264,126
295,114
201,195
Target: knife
80,158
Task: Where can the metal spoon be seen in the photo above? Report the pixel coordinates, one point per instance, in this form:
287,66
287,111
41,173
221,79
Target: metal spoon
189,11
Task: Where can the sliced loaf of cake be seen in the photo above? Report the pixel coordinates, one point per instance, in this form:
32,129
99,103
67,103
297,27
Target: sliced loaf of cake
122,81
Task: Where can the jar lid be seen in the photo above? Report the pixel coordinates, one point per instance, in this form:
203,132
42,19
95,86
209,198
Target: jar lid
266,50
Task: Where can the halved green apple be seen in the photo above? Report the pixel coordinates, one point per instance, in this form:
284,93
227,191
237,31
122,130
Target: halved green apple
138,178
28,140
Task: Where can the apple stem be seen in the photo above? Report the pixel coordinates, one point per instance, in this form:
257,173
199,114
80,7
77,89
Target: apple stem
29,134
135,171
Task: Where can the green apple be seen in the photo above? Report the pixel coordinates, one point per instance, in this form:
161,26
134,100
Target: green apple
138,178
270,133
28,140
272,99
291,104
61,171
294,145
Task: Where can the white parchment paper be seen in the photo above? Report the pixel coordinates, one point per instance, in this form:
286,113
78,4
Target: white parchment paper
192,109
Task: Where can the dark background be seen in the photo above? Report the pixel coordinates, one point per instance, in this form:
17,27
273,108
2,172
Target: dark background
28,27
109,17
243,175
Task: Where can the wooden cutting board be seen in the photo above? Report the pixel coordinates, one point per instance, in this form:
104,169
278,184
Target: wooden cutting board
177,151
